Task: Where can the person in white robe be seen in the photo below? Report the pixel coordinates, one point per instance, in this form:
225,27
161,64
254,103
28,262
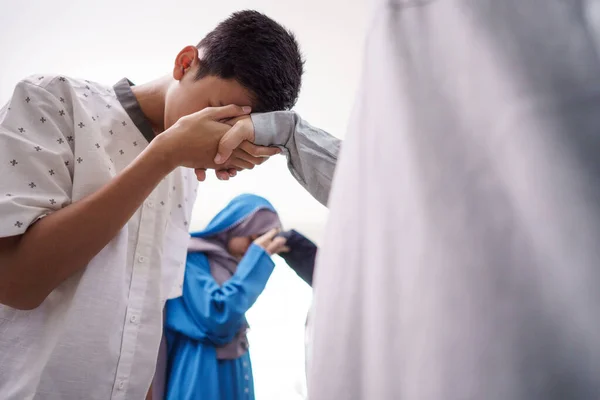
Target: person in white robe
462,256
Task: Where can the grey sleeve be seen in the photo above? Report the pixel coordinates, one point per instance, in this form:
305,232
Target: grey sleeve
311,152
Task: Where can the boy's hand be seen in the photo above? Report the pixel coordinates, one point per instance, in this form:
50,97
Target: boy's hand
193,141
236,147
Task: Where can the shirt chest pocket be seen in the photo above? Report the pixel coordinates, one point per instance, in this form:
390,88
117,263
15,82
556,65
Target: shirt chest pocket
173,262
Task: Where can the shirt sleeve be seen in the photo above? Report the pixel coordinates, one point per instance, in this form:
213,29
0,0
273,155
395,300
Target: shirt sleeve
311,152
36,157
207,310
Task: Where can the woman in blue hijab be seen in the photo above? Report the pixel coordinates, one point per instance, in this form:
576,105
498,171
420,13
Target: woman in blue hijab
227,268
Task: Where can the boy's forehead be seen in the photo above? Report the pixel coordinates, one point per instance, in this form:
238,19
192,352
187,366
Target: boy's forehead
226,91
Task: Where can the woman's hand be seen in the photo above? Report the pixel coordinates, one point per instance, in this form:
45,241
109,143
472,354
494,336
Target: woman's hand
272,244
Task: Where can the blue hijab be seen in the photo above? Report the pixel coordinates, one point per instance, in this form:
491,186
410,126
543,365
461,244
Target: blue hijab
237,211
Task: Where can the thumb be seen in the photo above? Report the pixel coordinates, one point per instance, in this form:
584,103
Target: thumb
230,141
230,111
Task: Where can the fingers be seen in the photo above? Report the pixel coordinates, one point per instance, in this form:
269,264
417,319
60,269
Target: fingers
258,151
226,112
241,163
222,175
232,121
241,131
265,239
233,167
270,243
241,154
276,245
225,174
200,174
269,235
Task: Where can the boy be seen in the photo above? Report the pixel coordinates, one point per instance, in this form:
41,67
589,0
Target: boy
95,205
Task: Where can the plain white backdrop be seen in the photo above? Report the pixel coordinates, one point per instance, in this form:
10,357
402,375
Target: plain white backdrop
106,40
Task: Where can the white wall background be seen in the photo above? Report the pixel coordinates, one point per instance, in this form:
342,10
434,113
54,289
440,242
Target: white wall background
106,40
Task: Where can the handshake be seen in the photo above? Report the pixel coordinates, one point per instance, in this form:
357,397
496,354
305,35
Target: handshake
219,138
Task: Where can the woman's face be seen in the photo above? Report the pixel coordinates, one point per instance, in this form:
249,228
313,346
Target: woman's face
238,245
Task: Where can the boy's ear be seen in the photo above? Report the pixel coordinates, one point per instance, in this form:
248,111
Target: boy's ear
186,60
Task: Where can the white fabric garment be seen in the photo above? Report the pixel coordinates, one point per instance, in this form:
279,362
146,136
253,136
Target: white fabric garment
461,258
96,336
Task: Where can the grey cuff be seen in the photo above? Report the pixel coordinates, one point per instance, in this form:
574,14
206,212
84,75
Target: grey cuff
273,128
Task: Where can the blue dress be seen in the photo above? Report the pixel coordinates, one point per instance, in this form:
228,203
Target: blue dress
208,315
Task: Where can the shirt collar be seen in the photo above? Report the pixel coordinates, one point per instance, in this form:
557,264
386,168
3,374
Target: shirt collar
132,107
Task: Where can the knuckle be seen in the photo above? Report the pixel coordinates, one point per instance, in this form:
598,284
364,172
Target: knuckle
183,122
206,111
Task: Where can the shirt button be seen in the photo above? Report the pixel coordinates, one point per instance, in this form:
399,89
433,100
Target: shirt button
246,377
245,364
121,385
149,204
141,259
133,319
246,390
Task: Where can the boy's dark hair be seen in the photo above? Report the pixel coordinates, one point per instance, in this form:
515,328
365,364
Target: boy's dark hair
260,54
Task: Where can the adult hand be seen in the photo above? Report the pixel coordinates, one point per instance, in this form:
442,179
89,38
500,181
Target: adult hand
271,243
236,147
193,141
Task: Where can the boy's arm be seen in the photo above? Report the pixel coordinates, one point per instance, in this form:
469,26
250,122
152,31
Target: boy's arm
311,152
37,254
55,247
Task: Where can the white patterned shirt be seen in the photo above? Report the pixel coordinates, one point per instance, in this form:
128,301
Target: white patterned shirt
96,336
